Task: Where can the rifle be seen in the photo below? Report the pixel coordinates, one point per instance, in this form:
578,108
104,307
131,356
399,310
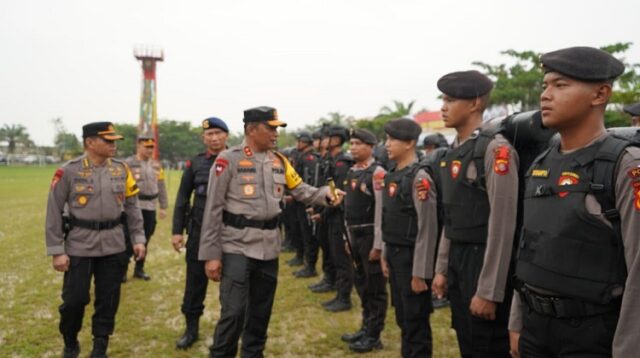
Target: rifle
358,267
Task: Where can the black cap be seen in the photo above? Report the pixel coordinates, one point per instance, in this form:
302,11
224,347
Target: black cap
316,135
403,129
338,131
105,130
214,122
632,109
586,64
465,84
147,140
364,135
436,139
304,136
263,114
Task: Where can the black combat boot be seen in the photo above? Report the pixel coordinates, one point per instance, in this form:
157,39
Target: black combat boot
342,303
324,287
307,271
355,336
296,261
139,271
366,344
71,347
99,347
190,333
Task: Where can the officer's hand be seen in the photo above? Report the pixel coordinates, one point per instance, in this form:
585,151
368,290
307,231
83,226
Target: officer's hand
514,340
162,213
482,308
61,263
418,285
338,199
316,218
288,199
439,285
140,251
374,254
384,266
177,241
213,269
310,210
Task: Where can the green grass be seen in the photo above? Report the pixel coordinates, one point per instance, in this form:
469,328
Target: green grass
149,319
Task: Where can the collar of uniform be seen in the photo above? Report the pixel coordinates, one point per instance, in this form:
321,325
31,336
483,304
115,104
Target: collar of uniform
86,163
456,142
599,138
367,165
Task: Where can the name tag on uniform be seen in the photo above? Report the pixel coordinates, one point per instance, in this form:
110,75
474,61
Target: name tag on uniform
540,173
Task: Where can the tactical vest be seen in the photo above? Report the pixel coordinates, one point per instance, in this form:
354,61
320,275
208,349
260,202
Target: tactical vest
201,168
399,217
360,201
565,249
465,203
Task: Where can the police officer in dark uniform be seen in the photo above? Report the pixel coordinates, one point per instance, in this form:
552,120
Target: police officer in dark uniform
306,165
293,241
410,235
336,169
188,216
363,215
93,190
634,111
434,141
578,264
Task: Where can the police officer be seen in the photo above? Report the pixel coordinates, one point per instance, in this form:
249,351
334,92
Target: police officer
93,190
195,178
149,176
479,177
240,237
363,215
634,111
578,265
306,164
336,168
292,235
410,235
434,141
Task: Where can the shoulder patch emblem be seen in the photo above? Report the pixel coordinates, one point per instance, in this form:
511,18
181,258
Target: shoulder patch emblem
634,173
501,160
56,177
422,188
456,165
221,165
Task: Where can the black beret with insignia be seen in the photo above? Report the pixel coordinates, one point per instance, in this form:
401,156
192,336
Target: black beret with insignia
263,114
586,64
214,122
100,129
304,136
364,135
465,84
403,129
633,109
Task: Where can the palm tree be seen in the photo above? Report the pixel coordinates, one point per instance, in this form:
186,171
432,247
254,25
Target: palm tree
399,110
14,134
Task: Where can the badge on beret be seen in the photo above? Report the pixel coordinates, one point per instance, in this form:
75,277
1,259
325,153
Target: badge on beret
393,187
422,187
378,180
221,165
455,168
82,200
501,160
567,178
248,190
205,124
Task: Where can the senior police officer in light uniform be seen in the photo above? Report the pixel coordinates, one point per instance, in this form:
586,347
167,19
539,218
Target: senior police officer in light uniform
578,265
149,176
240,238
94,190
187,216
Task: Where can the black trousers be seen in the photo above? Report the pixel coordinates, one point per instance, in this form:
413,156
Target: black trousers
195,289
107,273
149,222
412,310
309,242
584,337
328,268
247,290
477,337
341,260
371,287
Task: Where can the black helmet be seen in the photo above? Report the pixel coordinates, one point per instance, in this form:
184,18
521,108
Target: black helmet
339,131
436,139
304,136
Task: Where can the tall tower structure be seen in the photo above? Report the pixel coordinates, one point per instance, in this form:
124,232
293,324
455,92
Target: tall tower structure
148,124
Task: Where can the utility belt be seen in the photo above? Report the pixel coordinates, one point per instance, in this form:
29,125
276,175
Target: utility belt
562,307
94,225
361,230
241,222
147,197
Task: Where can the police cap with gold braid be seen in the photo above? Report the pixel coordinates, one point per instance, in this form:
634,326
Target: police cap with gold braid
263,114
104,130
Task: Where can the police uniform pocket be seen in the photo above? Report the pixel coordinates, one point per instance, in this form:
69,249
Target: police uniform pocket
248,186
117,185
82,193
278,185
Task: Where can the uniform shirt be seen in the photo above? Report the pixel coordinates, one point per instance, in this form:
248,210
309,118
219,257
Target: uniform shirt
627,193
150,179
250,184
502,192
378,174
92,193
201,162
425,201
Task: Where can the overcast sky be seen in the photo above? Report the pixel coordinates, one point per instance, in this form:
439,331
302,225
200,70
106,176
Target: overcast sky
74,59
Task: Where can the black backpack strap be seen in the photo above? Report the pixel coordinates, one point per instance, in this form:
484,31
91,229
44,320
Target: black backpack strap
479,149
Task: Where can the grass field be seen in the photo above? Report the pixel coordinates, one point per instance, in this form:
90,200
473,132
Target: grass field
149,319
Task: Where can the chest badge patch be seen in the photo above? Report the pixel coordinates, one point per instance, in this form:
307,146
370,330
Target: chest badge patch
248,190
354,183
456,166
393,187
82,200
567,178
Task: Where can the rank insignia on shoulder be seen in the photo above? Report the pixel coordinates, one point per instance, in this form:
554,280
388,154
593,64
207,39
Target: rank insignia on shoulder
540,173
248,152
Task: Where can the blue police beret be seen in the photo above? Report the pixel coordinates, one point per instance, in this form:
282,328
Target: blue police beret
214,122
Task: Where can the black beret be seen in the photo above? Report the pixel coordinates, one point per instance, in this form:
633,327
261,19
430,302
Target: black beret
583,63
633,109
436,139
304,136
338,131
263,114
100,129
364,135
465,84
403,129
214,122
